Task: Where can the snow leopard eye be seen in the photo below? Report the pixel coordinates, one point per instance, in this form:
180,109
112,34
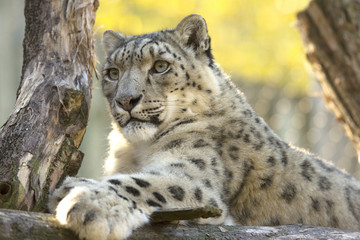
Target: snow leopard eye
113,74
160,66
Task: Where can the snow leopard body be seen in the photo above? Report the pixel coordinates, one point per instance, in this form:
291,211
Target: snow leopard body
192,141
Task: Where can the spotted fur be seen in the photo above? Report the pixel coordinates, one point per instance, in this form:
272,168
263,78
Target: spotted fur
193,140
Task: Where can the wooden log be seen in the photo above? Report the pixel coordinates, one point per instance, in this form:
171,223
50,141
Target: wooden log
16,225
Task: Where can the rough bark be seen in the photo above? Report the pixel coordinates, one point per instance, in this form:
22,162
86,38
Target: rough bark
27,225
39,142
331,33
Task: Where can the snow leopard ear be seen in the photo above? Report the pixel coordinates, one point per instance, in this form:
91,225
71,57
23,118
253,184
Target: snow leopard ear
112,40
193,33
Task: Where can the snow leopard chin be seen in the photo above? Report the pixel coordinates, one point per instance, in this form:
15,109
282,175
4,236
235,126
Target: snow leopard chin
139,131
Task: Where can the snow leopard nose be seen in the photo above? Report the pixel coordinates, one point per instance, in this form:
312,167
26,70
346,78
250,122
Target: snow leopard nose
128,103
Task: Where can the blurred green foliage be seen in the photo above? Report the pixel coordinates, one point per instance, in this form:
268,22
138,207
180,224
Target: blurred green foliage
254,39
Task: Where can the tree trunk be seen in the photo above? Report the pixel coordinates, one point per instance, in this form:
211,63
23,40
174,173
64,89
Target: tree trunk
16,225
331,30
39,142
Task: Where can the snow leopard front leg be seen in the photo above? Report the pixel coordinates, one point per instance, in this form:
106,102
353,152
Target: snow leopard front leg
112,208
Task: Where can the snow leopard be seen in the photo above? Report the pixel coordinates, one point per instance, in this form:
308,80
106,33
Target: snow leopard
193,140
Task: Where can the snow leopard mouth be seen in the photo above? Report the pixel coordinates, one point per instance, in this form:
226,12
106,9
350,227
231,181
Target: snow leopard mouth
133,120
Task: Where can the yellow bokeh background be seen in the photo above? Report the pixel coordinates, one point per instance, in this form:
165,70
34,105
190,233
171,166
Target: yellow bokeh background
252,39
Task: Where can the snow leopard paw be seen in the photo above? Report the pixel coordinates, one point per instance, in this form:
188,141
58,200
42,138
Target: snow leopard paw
95,211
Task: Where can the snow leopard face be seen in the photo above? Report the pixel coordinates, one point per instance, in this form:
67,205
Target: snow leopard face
154,79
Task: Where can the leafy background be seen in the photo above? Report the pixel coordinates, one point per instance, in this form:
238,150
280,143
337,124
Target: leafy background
255,41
